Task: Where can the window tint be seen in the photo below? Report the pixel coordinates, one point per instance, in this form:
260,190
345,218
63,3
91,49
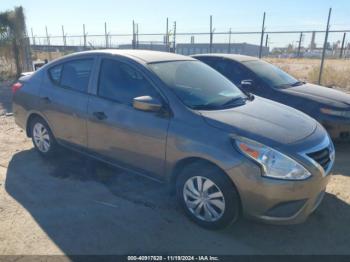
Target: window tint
73,74
120,82
232,71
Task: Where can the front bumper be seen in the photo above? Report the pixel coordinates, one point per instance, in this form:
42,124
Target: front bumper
277,201
338,128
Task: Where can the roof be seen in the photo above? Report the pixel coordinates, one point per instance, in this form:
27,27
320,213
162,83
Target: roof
147,56
238,58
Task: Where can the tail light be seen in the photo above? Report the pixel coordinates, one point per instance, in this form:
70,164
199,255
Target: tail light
16,87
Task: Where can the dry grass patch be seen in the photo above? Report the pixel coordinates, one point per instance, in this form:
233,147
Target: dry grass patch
336,72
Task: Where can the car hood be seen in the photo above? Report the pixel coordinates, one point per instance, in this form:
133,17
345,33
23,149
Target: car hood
321,94
264,121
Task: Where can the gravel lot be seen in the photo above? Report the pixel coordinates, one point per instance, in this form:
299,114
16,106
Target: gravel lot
72,205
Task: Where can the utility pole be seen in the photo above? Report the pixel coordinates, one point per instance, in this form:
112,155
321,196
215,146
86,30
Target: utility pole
262,35
324,47
48,43
174,38
229,41
299,46
211,35
342,46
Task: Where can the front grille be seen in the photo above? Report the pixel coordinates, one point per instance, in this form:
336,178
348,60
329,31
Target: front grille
322,157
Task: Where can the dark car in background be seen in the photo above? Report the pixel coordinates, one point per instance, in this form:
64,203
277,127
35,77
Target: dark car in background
330,107
177,120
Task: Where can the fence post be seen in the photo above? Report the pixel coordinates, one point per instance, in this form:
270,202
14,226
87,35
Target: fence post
262,35
137,36
167,34
174,38
267,40
106,35
48,43
299,46
64,37
324,47
342,46
33,38
84,35
229,41
211,35
133,34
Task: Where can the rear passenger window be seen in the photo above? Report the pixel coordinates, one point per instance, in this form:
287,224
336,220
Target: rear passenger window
55,73
121,82
74,74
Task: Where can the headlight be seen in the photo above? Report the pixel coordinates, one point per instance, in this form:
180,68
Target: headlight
274,163
332,112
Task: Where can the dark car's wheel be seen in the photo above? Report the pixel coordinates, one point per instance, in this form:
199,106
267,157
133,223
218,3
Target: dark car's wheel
208,196
42,137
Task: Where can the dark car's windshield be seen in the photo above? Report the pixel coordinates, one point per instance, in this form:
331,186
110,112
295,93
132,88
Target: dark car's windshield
271,74
198,85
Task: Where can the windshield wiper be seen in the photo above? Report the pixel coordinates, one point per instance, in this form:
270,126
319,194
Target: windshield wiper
234,101
204,107
298,83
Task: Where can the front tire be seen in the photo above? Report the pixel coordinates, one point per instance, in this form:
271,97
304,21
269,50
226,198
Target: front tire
42,137
208,196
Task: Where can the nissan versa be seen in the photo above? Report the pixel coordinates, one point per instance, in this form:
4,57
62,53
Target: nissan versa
179,121
330,107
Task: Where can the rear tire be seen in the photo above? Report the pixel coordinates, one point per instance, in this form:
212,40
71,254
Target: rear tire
208,196
42,137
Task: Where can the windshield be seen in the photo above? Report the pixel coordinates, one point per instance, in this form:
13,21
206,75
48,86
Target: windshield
271,74
198,85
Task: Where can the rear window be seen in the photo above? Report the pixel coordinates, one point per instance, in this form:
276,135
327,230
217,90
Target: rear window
74,75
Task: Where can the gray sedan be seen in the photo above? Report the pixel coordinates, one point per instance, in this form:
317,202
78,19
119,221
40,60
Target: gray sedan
176,120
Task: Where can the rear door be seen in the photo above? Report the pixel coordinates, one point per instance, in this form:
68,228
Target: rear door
64,99
117,131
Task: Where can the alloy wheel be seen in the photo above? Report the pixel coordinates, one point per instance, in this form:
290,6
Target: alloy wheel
41,137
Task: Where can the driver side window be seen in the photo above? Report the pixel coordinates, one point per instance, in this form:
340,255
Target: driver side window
122,83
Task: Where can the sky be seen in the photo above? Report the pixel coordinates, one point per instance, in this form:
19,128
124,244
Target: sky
190,16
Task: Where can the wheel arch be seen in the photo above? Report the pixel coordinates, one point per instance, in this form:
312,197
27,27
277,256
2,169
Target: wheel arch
183,163
31,116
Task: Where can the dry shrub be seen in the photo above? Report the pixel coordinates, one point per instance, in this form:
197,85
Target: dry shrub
331,76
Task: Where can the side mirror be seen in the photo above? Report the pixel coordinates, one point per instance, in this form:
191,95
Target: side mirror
247,84
147,103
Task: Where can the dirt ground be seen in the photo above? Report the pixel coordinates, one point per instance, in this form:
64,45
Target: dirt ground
71,205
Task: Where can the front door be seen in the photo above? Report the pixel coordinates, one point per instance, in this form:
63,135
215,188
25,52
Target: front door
116,130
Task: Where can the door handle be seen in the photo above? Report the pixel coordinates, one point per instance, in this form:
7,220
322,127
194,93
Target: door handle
100,115
46,99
